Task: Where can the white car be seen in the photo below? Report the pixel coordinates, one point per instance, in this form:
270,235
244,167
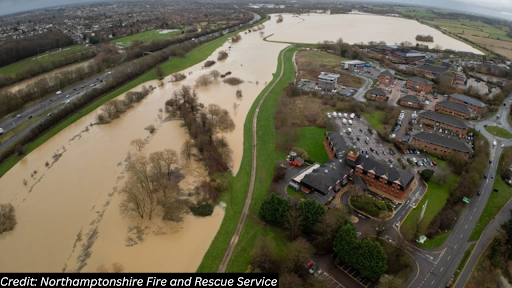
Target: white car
502,145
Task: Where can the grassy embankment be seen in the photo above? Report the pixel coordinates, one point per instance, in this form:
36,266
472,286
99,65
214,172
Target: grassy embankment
235,196
173,65
436,195
146,36
375,119
499,132
11,69
494,204
310,139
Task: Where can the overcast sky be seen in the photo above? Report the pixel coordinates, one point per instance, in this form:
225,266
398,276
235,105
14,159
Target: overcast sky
497,8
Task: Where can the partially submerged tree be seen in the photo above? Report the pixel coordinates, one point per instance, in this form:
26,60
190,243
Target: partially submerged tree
7,218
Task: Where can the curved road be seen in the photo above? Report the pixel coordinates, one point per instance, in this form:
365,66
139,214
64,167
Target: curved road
241,221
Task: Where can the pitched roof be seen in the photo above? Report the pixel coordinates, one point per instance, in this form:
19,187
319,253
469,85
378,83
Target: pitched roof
448,74
493,66
382,169
443,141
454,106
338,143
421,80
326,176
386,73
443,118
377,91
432,68
468,100
410,98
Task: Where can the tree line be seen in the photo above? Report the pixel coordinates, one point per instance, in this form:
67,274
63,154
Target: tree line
18,49
115,107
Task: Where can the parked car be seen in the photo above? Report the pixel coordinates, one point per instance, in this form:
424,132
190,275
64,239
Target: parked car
312,269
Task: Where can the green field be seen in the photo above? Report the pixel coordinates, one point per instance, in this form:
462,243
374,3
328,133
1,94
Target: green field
311,140
173,65
417,12
375,119
12,69
146,36
465,27
436,195
499,132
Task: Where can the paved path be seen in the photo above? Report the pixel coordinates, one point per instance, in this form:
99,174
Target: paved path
238,231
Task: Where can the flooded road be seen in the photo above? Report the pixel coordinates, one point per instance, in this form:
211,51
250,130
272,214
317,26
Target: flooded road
68,212
352,28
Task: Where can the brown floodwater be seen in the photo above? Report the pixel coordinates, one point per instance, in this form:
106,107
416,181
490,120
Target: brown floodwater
357,28
68,212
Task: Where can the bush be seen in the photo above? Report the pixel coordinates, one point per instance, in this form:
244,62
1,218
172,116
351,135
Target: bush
233,81
236,38
178,77
204,80
223,55
203,210
209,63
370,205
427,174
274,209
7,218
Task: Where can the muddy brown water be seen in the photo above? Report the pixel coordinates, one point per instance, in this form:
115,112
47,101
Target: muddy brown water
68,213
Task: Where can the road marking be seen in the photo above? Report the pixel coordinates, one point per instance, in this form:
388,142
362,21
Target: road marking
433,282
465,228
441,269
456,246
449,257
460,236
471,217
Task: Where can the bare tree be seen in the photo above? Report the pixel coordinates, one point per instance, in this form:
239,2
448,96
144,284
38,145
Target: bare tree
204,80
222,55
293,223
116,267
163,161
7,218
186,150
215,74
138,144
220,118
222,145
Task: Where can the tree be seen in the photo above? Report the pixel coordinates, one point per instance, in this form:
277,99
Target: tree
163,161
427,174
327,228
293,223
186,150
116,267
160,72
498,250
372,259
274,209
7,218
222,55
138,144
297,255
220,119
263,257
311,212
215,74
290,280
345,243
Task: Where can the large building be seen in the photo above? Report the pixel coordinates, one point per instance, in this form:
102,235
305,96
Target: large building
453,109
491,69
377,94
398,54
440,145
386,78
441,121
420,84
328,81
410,101
478,107
352,65
429,71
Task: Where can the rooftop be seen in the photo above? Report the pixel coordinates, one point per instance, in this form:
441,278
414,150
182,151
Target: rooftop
386,73
421,80
383,169
410,98
443,118
338,143
353,62
454,106
326,175
468,100
328,76
432,68
377,91
443,141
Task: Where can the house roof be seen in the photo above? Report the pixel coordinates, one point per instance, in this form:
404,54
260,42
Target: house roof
386,73
443,141
328,76
454,106
326,176
421,80
382,169
377,91
410,98
448,74
443,118
338,143
468,100
493,66
432,68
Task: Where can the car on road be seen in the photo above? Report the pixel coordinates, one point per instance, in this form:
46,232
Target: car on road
29,117
479,192
450,282
312,269
1,131
485,176
49,114
18,116
58,92
502,145
67,96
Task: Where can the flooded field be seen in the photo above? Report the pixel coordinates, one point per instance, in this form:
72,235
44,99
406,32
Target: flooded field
68,211
354,28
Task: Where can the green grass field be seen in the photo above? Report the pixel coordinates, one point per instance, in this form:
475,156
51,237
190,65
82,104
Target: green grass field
173,65
375,119
146,36
436,196
12,69
499,132
310,139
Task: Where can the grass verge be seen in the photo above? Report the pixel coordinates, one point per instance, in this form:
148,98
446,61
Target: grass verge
375,119
310,140
499,132
146,36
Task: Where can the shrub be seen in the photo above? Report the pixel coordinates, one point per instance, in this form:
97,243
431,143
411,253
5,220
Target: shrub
7,218
233,81
178,77
222,55
204,80
236,38
427,174
274,209
209,63
370,205
203,210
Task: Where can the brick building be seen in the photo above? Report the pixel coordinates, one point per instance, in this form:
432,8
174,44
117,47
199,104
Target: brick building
438,144
419,84
410,101
377,94
491,69
441,121
473,104
386,78
454,109
429,71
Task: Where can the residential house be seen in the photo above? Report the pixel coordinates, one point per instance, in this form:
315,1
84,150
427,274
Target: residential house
377,94
492,69
478,107
440,145
386,78
410,101
429,71
420,84
442,121
454,109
